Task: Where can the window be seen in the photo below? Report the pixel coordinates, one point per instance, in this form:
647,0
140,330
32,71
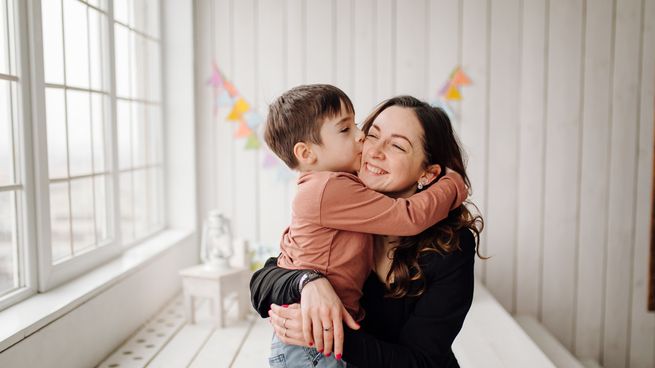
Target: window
75,39
96,173
11,187
137,45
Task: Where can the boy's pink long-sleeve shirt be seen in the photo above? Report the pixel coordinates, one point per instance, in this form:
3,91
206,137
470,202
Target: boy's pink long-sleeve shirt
332,219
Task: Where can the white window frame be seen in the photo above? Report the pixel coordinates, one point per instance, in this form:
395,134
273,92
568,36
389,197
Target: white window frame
49,275
23,161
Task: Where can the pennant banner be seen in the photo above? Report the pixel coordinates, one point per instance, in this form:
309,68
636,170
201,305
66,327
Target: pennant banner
450,90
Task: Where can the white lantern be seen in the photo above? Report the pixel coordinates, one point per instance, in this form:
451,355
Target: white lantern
216,243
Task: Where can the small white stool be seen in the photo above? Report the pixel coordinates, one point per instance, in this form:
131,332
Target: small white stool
203,282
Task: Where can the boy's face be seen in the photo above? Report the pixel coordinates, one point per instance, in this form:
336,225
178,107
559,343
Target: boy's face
341,149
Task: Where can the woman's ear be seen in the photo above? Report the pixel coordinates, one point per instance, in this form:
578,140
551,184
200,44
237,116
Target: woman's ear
430,174
304,154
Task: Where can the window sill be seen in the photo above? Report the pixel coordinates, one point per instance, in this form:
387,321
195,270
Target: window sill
32,314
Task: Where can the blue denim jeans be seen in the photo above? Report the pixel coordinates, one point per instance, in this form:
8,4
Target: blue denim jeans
293,356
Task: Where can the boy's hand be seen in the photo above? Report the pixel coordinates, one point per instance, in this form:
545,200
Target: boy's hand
462,189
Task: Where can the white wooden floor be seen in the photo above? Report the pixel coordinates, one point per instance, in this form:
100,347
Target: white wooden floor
490,338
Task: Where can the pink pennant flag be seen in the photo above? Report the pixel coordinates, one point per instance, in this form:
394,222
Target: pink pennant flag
216,80
269,160
243,130
460,78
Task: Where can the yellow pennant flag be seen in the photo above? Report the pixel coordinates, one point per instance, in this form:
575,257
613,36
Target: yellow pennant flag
453,93
243,130
240,107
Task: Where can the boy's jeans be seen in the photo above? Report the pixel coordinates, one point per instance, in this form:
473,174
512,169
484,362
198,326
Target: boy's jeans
293,356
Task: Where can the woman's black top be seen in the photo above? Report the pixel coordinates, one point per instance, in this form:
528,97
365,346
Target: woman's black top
406,332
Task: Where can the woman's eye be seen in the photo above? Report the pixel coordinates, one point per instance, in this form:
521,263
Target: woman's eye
369,136
398,147
345,130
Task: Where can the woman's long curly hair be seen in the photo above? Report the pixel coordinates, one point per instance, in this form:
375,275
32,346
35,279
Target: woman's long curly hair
441,147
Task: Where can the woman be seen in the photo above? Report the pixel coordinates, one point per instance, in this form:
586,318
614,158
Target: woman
421,288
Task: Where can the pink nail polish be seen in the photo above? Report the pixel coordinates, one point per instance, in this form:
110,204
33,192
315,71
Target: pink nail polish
338,356
328,354
285,305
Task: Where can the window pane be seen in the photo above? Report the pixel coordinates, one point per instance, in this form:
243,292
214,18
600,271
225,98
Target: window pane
102,4
154,199
154,135
153,72
122,55
53,46
6,135
56,127
102,226
139,137
127,207
77,47
98,111
123,123
59,221
8,244
121,11
79,133
139,71
140,204
98,53
82,214
4,47
152,17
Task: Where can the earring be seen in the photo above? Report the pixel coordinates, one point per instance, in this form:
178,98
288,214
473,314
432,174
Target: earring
420,186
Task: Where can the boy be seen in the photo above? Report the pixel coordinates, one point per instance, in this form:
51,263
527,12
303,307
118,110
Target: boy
312,129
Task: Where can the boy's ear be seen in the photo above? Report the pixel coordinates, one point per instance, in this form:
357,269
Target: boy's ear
430,174
304,154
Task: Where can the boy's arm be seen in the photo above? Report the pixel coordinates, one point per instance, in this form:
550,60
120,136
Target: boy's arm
347,204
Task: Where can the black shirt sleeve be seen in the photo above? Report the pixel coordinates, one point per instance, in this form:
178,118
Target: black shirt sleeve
272,284
426,337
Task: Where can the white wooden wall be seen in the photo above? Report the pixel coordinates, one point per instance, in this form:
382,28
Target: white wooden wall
558,127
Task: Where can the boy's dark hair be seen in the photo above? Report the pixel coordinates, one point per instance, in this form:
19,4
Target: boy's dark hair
297,116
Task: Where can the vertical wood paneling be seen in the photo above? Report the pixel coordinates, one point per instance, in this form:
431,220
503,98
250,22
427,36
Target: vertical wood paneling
245,161
562,167
319,42
343,47
384,52
622,185
411,53
642,324
443,46
557,126
474,128
594,171
295,31
223,149
503,147
532,138
207,183
364,76
271,83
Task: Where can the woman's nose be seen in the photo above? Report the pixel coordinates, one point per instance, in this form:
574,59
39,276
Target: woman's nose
375,150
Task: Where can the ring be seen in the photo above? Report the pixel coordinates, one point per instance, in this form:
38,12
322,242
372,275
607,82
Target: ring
327,329
285,323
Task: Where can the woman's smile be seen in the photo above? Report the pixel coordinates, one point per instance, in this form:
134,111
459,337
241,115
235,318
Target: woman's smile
374,169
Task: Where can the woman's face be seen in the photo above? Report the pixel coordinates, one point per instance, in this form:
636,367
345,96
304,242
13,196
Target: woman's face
392,156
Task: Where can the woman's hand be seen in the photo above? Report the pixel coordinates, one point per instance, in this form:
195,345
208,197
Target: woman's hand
322,316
